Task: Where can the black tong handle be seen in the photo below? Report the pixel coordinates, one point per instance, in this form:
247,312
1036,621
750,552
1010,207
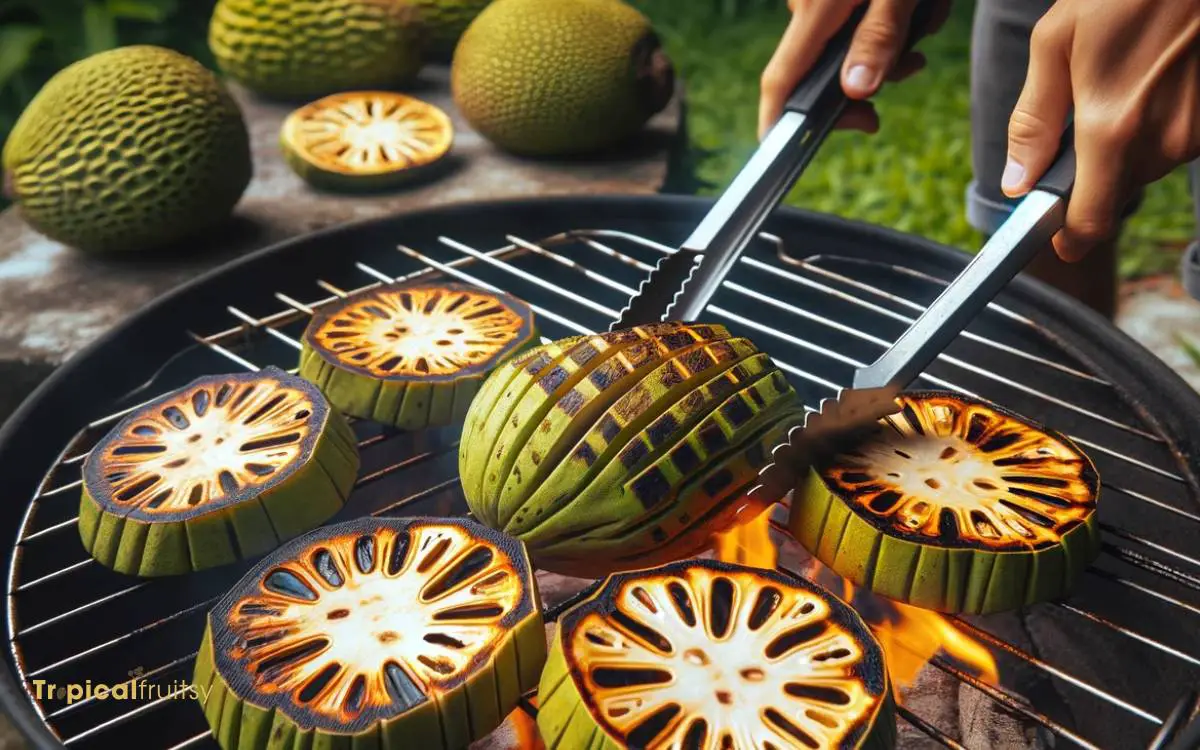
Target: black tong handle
822,86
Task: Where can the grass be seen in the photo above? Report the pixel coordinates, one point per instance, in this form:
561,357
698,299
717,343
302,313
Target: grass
911,175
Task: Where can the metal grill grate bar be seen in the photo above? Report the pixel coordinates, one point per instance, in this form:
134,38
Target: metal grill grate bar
498,259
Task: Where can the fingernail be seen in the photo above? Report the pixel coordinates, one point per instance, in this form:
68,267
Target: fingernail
860,77
1014,175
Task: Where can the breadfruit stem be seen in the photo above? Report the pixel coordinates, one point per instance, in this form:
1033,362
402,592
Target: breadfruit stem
655,73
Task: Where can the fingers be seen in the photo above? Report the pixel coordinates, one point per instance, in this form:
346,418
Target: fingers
876,46
939,16
813,23
1098,198
1037,122
859,116
910,63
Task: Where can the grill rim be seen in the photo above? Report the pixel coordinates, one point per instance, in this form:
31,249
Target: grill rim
1162,397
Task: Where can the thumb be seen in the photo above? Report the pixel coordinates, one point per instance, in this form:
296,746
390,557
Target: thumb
1038,120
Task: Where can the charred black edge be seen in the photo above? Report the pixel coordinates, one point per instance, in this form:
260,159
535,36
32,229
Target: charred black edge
1089,475
518,306
32,438
872,670
100,491
303,112
231,673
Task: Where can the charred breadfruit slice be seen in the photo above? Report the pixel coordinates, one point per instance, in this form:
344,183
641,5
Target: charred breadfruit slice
412,356
625,449
373,633
955,505
709,655
224,468
365,140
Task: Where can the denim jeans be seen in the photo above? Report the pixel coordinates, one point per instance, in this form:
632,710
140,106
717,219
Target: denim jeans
999,59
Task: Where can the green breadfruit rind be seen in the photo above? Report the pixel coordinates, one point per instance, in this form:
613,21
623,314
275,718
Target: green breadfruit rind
510,425
339,182
972,581
566,722
684,528
536,483
128,150
588,519
561,480
552,78
407,405
498,395
448,721
444,22
306,499
569,506
304,49
444,723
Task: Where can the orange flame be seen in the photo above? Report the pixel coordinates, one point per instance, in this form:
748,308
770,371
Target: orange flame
525,732
910,636
748,543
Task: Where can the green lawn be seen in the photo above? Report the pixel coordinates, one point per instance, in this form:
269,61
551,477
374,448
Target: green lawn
911,175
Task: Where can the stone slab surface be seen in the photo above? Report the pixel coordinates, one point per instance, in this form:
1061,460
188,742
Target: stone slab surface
53,301
1161,316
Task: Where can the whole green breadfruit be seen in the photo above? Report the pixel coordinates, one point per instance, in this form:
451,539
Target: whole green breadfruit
548,78
443,23
292,49
128,150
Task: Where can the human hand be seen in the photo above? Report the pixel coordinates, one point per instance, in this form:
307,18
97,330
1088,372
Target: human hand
875,54
1131,70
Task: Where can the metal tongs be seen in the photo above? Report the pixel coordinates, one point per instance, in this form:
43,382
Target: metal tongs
682,283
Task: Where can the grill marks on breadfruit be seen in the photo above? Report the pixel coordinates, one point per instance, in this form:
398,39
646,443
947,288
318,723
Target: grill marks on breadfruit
227,467
410,632
531,412
956,505
624,448
704,499
619,397
309,48
128,150
412,356
707,654
498,396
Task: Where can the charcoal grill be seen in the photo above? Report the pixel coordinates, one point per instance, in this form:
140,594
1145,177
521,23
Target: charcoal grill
822,295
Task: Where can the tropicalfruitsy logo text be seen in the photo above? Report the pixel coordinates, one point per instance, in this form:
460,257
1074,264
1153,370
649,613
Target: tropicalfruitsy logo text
134,689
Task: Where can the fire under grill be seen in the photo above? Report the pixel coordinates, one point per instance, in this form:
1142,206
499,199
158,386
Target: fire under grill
1114,666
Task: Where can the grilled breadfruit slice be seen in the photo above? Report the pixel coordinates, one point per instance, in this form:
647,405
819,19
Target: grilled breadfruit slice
625,449
224,468
412,356
365,140
956,505
374,633
703,654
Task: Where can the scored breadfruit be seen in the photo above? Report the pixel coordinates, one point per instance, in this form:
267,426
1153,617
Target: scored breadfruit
412,356
624,449
373,633
953,504
704,654
225,468
365,140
